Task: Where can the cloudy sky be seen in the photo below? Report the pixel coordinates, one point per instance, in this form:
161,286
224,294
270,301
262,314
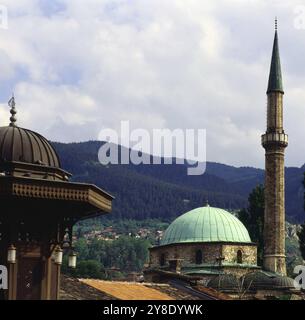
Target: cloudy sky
78,66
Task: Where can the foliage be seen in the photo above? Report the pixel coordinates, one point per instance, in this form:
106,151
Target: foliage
82,249
293,255
253,218
148,191
166,191
301,233
89,269
304,187
97,257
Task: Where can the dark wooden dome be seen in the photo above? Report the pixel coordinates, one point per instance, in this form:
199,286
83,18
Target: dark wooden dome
22,145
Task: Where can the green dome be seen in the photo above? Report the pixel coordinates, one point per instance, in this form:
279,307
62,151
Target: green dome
264,280
224,282
206,224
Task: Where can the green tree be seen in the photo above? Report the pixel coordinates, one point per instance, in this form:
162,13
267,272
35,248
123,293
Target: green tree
304,187
126,253
301,233
81,248
253,218
84,269
90,269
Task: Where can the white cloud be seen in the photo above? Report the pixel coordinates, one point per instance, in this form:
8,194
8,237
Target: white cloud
79,66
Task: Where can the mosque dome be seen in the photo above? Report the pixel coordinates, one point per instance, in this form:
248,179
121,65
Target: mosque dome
206,224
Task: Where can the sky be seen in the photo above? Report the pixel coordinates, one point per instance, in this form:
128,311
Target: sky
77,67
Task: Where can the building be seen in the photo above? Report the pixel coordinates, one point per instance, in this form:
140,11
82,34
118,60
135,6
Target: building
204,242
274,142
212,246
39,206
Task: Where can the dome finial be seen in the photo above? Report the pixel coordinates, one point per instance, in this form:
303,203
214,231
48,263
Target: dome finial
275,23
207,203
13,111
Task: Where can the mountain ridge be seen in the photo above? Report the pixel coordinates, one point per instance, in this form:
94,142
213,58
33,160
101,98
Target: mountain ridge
166,191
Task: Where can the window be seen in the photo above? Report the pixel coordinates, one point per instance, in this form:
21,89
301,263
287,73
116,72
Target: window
239,257
198,257
162,259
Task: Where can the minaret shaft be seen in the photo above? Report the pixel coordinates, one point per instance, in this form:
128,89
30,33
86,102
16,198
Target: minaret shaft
274,227
275,141
275,112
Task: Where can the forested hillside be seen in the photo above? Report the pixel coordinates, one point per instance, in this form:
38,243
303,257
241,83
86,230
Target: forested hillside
166,191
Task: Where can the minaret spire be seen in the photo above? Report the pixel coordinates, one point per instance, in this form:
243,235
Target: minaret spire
275,76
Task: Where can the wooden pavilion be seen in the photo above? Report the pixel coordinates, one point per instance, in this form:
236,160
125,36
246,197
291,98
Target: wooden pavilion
39,206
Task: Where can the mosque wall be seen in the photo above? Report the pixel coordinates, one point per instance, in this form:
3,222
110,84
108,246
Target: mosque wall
212,254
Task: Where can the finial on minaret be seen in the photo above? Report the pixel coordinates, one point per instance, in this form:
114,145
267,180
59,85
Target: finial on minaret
13,111
275,23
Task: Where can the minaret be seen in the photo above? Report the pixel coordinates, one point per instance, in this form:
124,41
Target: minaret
275,141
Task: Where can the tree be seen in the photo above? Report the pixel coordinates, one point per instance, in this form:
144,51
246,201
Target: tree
90,269
301,233
304,187
253,219
81,248
126,254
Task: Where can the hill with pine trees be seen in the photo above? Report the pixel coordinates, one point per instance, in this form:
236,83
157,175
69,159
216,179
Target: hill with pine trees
165,191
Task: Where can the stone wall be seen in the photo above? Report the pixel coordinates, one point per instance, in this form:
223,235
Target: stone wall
211,252
249,253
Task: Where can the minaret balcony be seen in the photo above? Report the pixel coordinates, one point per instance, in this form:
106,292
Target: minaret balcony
275,138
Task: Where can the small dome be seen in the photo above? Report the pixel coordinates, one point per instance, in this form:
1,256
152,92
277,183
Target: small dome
206,224
263,280
224,282
22,145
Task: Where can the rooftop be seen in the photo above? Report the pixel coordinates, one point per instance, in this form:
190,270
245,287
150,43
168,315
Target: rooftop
206,224
127,290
